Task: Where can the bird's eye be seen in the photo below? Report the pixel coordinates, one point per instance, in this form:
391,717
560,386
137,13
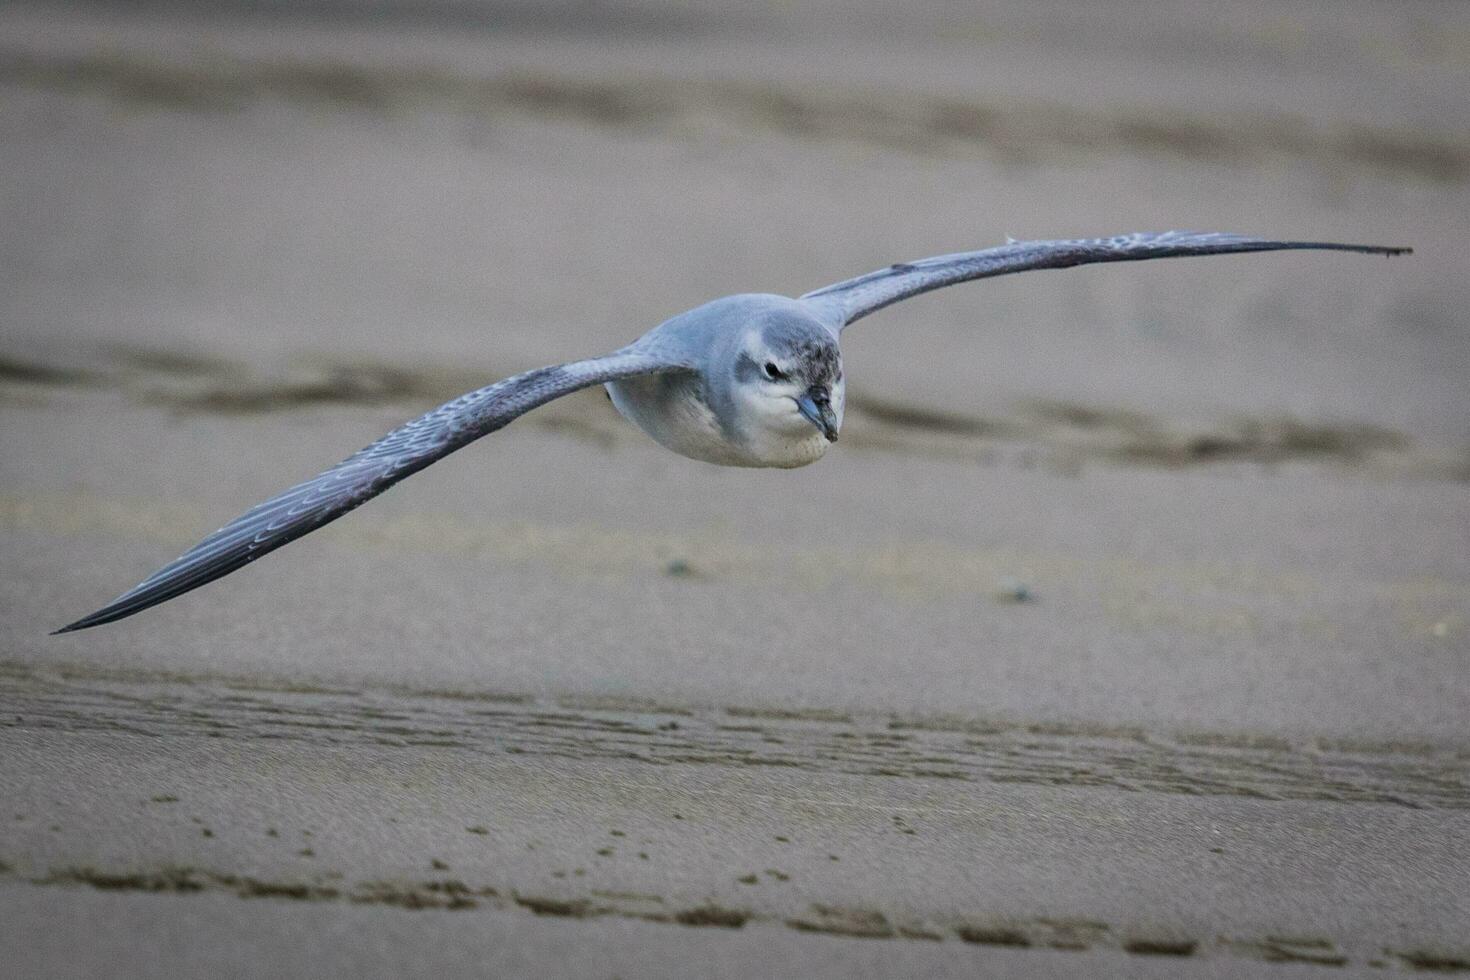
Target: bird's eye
773,372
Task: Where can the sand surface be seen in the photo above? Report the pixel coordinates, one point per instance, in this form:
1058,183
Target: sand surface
566,704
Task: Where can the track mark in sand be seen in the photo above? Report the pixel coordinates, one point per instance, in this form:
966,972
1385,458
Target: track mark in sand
994,935
571,908
1431,961
636,906
713,915
1293,949
1084,757
863,923
454,895
16,371
1160,946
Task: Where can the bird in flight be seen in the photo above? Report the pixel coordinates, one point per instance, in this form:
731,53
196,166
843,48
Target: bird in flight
748,380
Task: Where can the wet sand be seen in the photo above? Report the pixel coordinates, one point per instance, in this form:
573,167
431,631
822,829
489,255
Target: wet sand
960,844
1125,632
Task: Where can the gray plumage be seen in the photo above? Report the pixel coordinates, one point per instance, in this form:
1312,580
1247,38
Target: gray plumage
748,380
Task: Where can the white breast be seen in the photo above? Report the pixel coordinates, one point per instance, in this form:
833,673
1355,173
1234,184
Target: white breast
672,411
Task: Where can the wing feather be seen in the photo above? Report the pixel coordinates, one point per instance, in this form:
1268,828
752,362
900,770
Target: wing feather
853,299
367,473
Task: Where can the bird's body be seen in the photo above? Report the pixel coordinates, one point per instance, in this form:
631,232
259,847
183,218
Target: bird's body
674,411
753,379
715,414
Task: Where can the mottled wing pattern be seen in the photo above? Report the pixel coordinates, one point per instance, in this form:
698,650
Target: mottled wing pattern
849,301
367,473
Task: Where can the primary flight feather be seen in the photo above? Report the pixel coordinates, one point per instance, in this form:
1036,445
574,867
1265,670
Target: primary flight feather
748,380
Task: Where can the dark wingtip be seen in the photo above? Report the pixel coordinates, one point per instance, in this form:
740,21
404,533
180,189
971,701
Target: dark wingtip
1389,250
107,614
80,624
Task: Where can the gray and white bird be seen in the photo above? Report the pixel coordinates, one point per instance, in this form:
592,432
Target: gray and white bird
748,380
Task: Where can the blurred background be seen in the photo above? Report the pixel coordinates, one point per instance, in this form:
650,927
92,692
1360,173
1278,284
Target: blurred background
241,241
495,185
1217,502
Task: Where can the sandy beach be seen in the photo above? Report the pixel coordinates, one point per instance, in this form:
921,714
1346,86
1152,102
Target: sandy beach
1125,632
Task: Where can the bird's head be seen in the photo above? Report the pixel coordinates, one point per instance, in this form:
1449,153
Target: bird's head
789,371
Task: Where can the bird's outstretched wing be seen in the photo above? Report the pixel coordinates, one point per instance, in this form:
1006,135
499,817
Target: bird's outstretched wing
364,475
849,301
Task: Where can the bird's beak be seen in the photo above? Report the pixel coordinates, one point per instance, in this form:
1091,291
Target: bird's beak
816,406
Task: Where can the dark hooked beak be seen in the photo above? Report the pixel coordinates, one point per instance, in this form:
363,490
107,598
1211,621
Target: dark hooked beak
816,405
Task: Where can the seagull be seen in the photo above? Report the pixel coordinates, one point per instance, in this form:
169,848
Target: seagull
753,379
